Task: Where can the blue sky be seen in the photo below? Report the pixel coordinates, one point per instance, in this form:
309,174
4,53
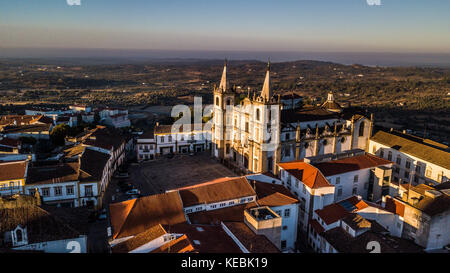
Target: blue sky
282,25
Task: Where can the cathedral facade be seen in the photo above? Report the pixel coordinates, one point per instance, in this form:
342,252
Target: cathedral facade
258,132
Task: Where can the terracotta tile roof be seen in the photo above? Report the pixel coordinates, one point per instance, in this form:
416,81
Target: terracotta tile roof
65,172
93,163
350,164
337,211
10,142
408,146
179,245
214,217
139,240
394,206
13,170
253,243
211,239
26,128
41,225
306,173
74,151
357,222
188,128
316,226
344,243
137,215
216,191
273,195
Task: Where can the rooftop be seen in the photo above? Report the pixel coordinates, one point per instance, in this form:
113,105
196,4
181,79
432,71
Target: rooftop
137,215
252,242
414,146
13,170
139,240
206,238
308,174
350,164
216,191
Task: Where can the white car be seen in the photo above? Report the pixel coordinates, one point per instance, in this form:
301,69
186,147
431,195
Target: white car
133,191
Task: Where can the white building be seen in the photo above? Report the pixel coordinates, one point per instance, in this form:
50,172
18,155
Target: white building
416,160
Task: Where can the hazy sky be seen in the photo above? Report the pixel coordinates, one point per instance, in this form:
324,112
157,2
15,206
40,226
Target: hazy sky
283,25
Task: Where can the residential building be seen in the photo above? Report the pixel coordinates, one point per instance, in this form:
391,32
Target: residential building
417,160
426,213
26,227
12,177
357,226
216,216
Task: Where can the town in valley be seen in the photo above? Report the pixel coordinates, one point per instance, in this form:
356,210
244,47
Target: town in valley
222,151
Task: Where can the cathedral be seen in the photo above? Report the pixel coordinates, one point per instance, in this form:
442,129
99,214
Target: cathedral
256,133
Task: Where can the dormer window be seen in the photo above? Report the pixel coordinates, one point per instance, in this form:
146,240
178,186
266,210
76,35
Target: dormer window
19,236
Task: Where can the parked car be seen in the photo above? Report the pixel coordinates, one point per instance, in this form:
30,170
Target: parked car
133,192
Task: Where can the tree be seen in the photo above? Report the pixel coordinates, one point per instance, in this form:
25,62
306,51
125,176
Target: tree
59,133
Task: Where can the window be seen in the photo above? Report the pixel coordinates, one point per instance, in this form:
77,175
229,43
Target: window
217,101
406,175
338,180
361,129
88,190
285,227
296,184
355,191
222,205
229,102
231,203
227,148
69,190
283,244
339,192
162,139
250,199
257,114
246,127
45,191
390,156
355,179
287,150
213,206
304,189
408,164
399,160
381,153
287,212
278,212
417,169
19,236
287,136
428,173
366,185
170,138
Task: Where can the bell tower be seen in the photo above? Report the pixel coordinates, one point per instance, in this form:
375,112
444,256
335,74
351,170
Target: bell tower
224,98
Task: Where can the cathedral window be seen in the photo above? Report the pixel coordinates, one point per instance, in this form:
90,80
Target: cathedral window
257,114
217,101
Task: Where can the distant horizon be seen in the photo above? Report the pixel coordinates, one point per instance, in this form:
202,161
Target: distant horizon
368,58
413,26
